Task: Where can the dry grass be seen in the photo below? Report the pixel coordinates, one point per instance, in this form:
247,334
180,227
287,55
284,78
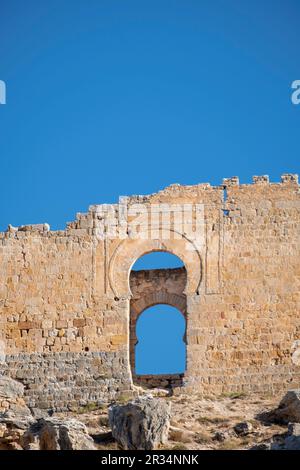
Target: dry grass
203,437
124,398
92,406
180,446
230,444
107,446
212,420
103,421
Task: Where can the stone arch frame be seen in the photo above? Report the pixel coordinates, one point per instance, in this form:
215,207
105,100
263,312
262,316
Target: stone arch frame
123,255
150,300
129,250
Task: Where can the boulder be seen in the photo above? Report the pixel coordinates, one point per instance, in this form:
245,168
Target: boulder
291,441
56,434
289,407
141,424
19,429
10,389
13,424
17,417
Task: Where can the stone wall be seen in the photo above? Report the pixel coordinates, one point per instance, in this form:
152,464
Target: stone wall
66,302
59,339
68,380
168,381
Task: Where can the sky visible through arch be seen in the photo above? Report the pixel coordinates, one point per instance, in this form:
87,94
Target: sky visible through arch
161,348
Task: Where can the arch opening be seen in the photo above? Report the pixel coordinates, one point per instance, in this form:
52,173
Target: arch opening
160,347
128,251
158,319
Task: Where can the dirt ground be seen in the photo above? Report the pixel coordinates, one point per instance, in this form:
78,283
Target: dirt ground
199,423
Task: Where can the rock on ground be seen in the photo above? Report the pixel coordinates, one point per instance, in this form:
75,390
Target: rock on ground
10,389
289,407
13,424
11,394
291,441
243,429
15,416
141,424
19,429
55,434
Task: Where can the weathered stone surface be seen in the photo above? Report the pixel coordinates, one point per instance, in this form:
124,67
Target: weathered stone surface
140,424
55,434
296,353
13,424
294,429
17,417
291,441
10,389
72,378
289,407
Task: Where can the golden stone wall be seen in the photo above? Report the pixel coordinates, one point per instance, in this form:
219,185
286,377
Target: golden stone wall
65,295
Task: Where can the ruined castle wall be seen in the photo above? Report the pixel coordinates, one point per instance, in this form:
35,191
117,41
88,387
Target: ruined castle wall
66,302
245,335
65,345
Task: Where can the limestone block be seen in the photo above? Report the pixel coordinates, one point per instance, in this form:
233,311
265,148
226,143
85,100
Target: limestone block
55,434
142,424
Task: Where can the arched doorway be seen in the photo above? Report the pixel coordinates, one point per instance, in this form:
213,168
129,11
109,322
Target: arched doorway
160,347
157,310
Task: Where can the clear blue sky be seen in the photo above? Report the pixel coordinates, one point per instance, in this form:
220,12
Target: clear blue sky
114,97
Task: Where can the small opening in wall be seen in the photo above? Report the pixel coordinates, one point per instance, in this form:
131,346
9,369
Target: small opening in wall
225,197
86,349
